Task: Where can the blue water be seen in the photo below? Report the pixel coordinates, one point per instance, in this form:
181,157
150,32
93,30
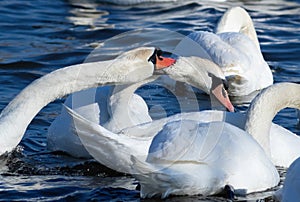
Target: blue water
38,36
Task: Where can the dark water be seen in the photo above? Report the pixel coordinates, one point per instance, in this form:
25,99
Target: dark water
38,36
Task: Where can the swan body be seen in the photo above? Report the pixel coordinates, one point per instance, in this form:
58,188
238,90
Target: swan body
217,164
172,165
235,49
283,145
116,151
202,158
15,118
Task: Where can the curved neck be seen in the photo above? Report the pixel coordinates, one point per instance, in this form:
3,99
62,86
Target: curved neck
15,118
238,20
264,108
126,111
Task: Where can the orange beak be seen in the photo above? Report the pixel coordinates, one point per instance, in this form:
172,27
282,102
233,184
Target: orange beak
221,94
163,62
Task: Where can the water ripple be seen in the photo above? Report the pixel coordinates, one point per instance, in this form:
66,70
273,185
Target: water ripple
40,36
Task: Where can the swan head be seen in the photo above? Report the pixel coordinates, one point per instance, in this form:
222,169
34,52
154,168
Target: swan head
203,74
138,64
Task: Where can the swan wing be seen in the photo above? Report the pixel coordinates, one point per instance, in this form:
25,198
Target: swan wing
187,140
188,157
108,148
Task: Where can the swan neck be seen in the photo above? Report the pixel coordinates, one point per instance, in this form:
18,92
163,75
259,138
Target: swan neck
120,106
264,108
238,20
17,115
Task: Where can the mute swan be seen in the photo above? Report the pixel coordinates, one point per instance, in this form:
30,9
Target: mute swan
235,49
190,158
130,67
185,158
136,140
207,156
125,106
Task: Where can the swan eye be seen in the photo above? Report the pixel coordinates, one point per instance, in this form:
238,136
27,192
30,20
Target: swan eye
159,54
159,60
225,84
153,57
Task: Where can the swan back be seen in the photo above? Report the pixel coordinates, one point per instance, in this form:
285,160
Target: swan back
126,108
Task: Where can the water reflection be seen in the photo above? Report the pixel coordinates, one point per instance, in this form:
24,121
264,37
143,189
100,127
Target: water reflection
87,13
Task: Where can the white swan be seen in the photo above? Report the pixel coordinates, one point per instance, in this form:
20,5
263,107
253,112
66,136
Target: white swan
190,158
197,158
291,186
122,108
136,140
235,49
187,158
130,67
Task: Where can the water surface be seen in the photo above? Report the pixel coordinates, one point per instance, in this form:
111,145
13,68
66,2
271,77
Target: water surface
37,37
